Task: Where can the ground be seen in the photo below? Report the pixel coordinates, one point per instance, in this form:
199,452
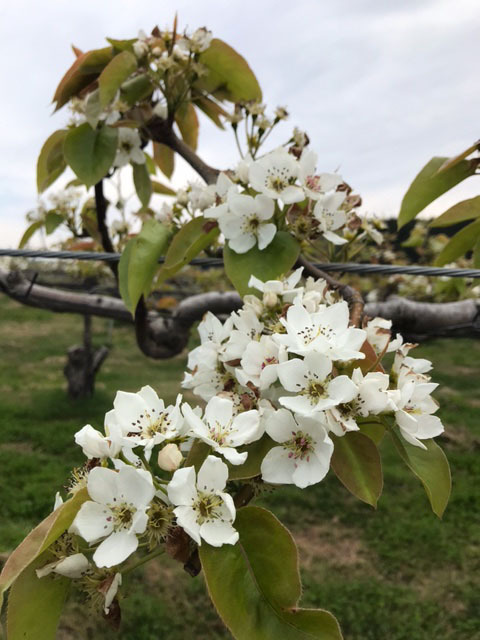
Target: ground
396,572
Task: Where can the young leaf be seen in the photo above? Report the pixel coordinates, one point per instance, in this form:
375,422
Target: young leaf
34,604
83,72
465,210
164,157
356,463
93,108
256,453
52,221
90,153
150,162
255,584
187,120
139,262
141,180
430,184
211,109
51,163
136,89
40,539
459,244
229,72
269,264
114,75
197,454
30,230
450,162
159,187
430,466
186,244
122,45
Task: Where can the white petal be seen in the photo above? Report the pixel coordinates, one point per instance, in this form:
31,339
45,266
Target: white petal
115,549
187,519
102,485
72,566
277,467
219,410
181,489
292,194
293,374
266,233
240,204
218,533
243,243
93,521
135,487
334,238
309,472
264,207
232,455
213,475
280,425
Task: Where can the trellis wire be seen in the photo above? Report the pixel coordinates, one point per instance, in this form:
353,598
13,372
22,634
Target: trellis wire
350,267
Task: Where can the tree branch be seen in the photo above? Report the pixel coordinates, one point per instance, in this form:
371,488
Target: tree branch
101,207
160,130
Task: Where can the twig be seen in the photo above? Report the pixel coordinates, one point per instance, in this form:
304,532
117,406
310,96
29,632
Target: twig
101,207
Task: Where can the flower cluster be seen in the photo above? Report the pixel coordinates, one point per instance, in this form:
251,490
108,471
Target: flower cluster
286,369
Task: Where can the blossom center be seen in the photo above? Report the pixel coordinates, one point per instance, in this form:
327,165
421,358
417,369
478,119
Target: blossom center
300,446
207,507
122,516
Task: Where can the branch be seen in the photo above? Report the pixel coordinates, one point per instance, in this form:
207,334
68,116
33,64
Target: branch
160,130
351,295
101,207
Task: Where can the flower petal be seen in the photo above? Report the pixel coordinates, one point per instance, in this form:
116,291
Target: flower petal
115,549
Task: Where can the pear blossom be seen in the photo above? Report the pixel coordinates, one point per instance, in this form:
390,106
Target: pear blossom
286,288
95,445
222,429
209,375
315,185
200,40
379,336
243,220
141,46
203,508
415,408
275,174
74,566
330,217
325,331
314,386
247,328
260,361
116,513
170,457
129,147
304,456
145,419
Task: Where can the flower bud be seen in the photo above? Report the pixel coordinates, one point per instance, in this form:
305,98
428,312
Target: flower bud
170,457
270,299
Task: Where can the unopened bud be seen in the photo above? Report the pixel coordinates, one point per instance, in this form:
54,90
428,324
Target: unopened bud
170,457
270,299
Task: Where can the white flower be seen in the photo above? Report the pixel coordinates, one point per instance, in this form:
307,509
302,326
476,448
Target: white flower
243,167
222,429
404,362
140,48
329,215
201,196
170,457
380,337
165,214
210,329
304,457
95,445
299,138
325,331
316,184
286,288
275,174
260,362
209,375
200,40
247,328
71,567
203,509
145,420
315,388
415,407
374,396
129,147
116,512
161,110
244,221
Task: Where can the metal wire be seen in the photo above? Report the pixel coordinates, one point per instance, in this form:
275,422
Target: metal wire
346,267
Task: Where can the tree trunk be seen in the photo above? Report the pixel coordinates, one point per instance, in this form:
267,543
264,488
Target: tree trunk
83,364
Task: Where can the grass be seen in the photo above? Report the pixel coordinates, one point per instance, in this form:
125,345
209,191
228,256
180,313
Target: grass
397,572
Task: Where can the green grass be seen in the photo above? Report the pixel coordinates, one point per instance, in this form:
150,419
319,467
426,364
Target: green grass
397,573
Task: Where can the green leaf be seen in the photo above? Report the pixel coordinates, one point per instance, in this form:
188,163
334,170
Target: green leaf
83,72
159,187
374,430
430,465
136,89
256,453
228,74
429,185
187,121
122,45
35,604
255,584
459,244
197,454
114,75
211,109
269,264
139,262
356,463
40,539
186,244
465,210
30,230
52,221
164,157
51,163
450,162
150,162
141,180
90,153
476,254
93,108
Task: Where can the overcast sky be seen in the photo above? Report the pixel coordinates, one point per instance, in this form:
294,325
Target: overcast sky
379,85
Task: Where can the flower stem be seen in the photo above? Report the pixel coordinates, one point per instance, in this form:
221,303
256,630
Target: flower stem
149,556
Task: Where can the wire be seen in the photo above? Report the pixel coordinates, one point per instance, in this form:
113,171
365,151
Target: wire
347,267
